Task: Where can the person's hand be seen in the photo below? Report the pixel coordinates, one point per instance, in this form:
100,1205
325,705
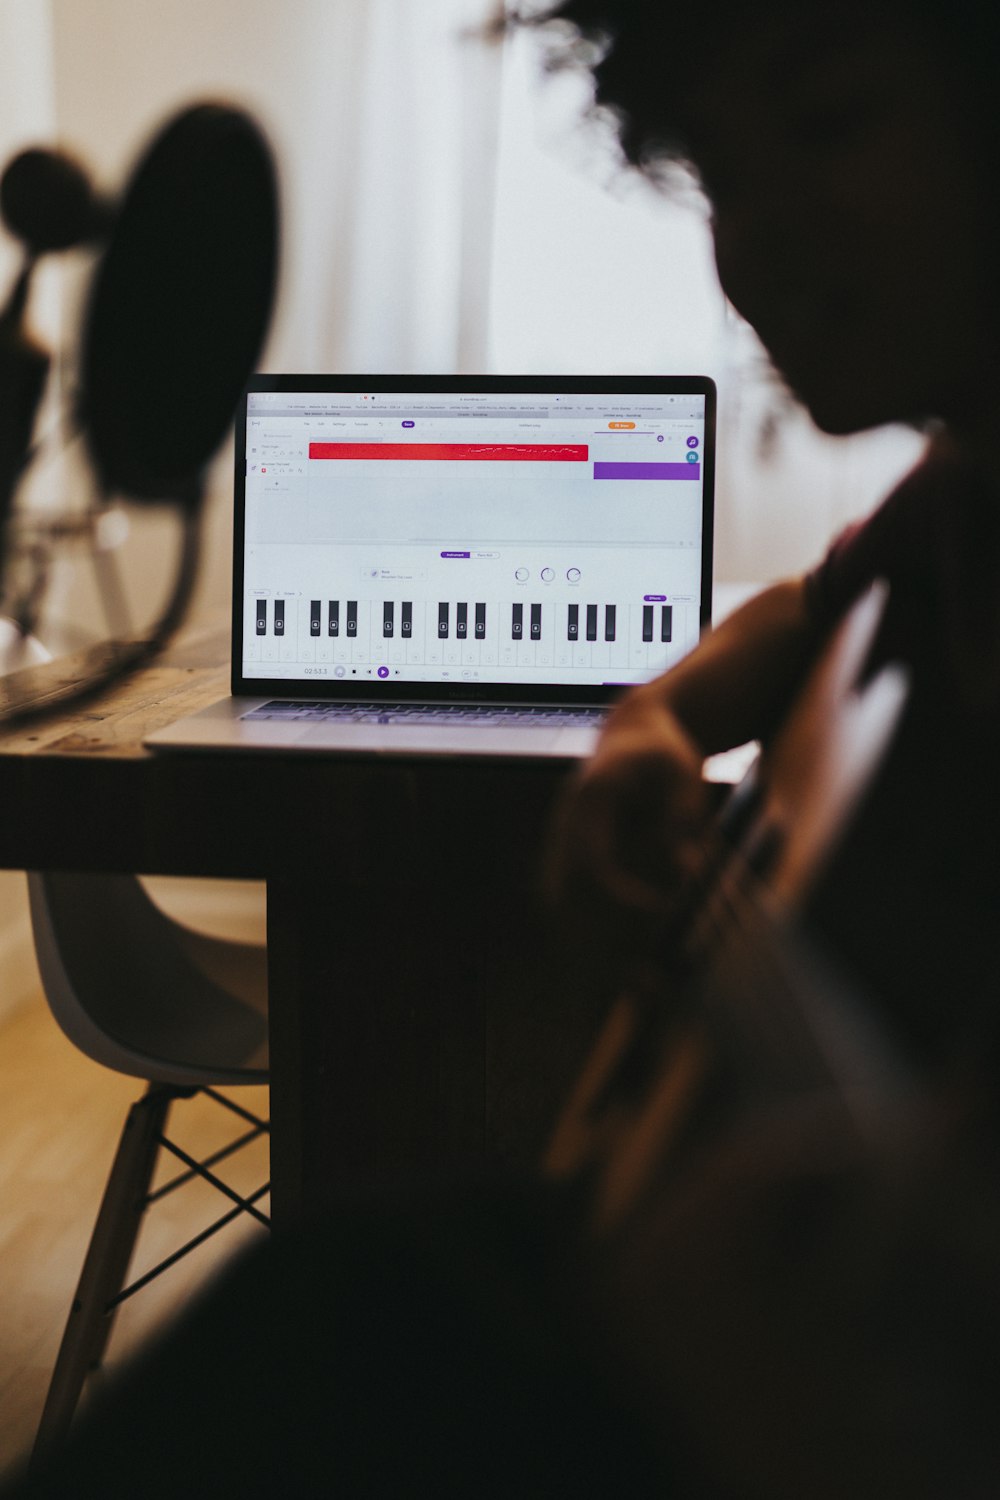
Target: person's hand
629,835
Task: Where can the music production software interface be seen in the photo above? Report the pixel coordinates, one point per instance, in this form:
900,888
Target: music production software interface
468,537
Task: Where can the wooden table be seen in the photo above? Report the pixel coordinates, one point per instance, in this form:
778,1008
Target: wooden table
418,1022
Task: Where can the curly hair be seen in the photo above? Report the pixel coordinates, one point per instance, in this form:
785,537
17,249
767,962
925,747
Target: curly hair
644,55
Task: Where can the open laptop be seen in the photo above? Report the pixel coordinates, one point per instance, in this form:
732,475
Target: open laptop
457,564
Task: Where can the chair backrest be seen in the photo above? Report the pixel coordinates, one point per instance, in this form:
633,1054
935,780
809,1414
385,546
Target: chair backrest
139,993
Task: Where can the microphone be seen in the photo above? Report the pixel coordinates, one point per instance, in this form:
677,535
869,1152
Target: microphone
176,315
46,201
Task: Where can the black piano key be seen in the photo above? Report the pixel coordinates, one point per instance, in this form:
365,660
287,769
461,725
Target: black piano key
462,621
516,621
261,616
536,622
480,622
352,617
609,622
333,617
406,618
666,622
442,621
388,619
591,622
647,622
573,623
279,616
314,617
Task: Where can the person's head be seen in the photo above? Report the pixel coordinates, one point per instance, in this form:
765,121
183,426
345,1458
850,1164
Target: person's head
851,158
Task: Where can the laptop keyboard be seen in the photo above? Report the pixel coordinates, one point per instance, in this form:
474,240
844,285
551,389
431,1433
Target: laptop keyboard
503,717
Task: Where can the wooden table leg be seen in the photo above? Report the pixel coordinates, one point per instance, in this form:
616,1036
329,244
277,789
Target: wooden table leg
416,1029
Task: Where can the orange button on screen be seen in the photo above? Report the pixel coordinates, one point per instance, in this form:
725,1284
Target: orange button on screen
621,424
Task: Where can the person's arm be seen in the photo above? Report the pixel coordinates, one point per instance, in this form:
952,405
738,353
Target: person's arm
631,829
737,682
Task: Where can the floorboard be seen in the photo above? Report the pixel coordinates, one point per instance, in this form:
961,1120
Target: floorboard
60,1118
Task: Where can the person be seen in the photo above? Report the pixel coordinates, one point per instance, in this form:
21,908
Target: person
849,154
820,137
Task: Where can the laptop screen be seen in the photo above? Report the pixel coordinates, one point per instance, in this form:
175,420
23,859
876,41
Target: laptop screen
531,538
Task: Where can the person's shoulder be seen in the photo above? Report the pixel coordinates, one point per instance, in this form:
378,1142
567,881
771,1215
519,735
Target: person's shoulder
898,541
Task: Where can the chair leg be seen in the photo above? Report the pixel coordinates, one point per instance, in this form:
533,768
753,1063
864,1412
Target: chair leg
106,1263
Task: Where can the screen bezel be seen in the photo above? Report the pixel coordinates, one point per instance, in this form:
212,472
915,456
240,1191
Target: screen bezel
369,691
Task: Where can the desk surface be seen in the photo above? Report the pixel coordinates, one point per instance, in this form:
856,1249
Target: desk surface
415,1024
79,791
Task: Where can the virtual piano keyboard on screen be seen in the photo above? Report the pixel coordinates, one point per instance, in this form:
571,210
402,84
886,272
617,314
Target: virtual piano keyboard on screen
353,633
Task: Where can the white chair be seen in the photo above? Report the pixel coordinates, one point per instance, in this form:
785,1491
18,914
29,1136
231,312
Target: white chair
146,996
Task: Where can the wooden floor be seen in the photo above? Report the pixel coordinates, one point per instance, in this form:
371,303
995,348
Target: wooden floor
60,1118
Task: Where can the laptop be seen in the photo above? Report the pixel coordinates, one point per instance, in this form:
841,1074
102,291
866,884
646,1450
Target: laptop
459,565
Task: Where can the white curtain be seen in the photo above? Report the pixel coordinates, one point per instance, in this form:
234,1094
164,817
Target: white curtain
443,211
395,173
385,122
384,117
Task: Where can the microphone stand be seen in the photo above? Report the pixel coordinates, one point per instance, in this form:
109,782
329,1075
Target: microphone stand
24,368
114,660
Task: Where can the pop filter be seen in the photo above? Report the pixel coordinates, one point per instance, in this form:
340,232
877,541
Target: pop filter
179,305
177,313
